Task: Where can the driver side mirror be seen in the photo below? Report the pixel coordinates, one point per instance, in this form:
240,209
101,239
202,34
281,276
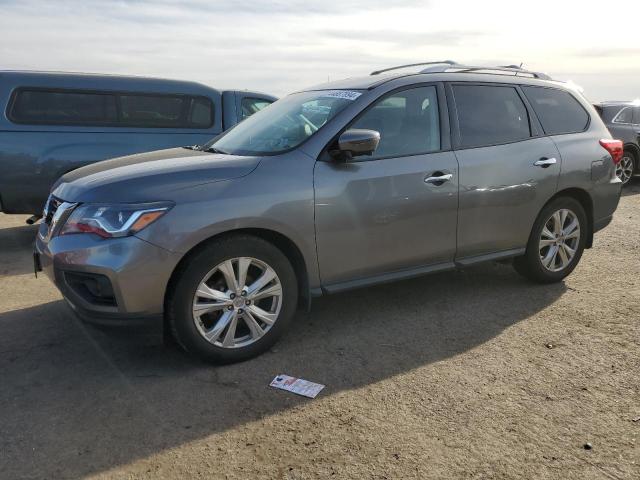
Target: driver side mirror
354,143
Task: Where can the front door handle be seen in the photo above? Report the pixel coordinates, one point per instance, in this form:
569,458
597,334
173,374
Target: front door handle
545,162
439,179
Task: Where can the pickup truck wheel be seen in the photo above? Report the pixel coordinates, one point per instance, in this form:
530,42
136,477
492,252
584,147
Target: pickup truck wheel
556,242
626,167
232,300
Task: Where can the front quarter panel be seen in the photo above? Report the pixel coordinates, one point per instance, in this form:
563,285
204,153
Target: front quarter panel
276,196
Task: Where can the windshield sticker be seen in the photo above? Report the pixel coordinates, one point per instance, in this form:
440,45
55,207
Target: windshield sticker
344,94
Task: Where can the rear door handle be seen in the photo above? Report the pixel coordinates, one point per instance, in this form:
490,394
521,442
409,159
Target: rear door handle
438,180
545,162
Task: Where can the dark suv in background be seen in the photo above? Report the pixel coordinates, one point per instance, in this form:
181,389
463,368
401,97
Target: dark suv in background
623,121
342,185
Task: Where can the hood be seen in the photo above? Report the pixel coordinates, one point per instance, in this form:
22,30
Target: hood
149,176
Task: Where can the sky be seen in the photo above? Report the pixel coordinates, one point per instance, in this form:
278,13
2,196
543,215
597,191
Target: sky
279,46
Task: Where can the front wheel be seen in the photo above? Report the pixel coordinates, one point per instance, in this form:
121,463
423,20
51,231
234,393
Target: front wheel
232,300
556,243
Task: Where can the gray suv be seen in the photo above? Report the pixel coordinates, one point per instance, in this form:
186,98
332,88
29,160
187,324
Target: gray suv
339,186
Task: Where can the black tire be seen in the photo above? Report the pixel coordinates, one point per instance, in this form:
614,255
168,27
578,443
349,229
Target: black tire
181,296
530,264
634,162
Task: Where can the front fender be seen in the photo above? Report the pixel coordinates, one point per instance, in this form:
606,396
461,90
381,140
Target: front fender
276,197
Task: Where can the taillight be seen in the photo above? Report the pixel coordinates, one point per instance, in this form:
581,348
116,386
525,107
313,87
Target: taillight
615,149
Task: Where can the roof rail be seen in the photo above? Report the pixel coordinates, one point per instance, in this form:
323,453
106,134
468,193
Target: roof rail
442,62
448,65
509,69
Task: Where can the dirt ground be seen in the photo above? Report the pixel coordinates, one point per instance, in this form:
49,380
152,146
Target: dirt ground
468,374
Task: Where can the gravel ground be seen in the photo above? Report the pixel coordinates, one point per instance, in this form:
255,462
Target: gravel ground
468,374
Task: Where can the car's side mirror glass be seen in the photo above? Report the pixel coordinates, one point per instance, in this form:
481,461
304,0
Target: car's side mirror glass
355,143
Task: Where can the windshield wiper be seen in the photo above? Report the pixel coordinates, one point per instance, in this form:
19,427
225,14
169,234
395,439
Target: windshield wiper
216,150
201,148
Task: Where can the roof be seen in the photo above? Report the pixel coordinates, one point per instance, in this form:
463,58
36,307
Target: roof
445,70
606,103
98,81
370,82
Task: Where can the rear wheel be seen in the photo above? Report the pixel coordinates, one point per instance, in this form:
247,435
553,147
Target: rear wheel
626,167
556,243
233,299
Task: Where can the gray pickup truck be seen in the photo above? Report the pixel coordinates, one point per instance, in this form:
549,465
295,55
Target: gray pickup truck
54,123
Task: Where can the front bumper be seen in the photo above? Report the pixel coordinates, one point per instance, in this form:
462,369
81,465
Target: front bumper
133,273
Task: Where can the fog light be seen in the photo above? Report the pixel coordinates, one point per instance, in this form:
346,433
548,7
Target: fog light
92,287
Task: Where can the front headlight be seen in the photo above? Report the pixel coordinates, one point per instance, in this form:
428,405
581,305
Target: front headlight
113,220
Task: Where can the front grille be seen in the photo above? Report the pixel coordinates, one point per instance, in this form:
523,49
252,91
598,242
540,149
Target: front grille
56,211
50,209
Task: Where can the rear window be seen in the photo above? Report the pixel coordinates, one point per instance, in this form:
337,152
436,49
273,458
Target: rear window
490,115
63,107
31,106
152,111
558,111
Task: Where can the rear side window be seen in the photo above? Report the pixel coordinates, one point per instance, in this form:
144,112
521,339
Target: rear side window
151,111
490,115
636,115
253,105
64,107
558,111
110,109
624,116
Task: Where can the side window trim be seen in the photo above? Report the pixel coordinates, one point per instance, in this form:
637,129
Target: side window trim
534,121
534,124
445,128
456,140
117,94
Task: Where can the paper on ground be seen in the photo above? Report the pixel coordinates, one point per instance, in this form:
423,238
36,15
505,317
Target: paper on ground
297,385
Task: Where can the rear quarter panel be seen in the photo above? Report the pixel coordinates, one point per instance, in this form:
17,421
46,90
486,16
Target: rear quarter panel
586,165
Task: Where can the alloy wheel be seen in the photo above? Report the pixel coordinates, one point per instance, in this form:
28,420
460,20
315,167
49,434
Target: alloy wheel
559,240
624,169
237,302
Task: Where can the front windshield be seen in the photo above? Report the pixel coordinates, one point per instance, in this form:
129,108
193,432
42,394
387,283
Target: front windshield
285,124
